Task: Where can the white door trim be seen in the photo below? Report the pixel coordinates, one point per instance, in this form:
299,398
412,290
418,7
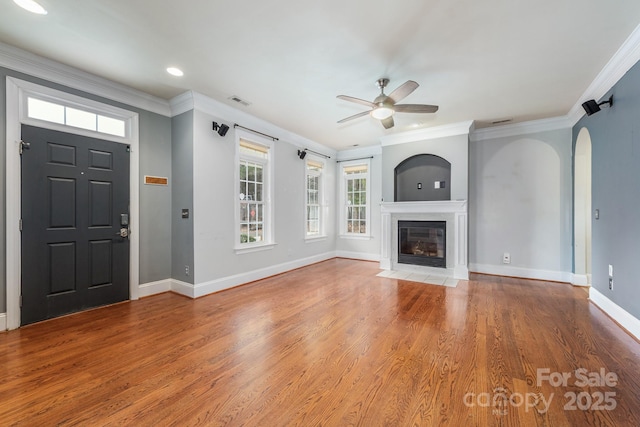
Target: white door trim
13,191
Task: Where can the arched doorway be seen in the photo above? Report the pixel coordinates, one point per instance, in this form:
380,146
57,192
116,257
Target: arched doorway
582,209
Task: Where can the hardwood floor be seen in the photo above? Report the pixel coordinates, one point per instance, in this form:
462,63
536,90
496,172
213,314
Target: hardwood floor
329,344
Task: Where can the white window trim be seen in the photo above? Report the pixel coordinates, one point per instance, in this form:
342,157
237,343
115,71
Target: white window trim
268,242
343,201
16,99
322,235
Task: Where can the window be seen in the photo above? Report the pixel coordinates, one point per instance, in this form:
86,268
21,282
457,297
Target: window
314,218
253,226
355,193
56,112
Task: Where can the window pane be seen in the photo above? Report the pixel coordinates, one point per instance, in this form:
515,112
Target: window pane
243,171
252,212
259,173
259,192
243,212
81,119
111,126
251,175
43,110
251,191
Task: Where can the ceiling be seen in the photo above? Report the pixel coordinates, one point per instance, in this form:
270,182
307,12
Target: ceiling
484,60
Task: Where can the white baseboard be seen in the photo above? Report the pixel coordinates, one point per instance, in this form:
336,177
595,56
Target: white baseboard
3,321
153,288
183,288
617,313
525,273
579,279
358,255
205,288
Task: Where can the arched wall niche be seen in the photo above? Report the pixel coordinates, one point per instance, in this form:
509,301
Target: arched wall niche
423,177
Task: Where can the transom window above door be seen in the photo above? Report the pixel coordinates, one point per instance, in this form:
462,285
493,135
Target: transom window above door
59,113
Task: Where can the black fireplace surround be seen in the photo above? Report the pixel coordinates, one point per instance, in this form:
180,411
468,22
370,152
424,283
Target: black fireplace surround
422,243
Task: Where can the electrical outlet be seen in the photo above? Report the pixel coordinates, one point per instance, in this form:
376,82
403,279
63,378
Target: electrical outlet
506,258
186,270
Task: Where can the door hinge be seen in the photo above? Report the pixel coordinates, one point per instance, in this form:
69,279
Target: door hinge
20,224
23,146
20,301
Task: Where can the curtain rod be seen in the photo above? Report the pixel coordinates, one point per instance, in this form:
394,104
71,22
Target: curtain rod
235,125
319,154
359,158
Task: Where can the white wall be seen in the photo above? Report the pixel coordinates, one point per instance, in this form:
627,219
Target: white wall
520,202
216,264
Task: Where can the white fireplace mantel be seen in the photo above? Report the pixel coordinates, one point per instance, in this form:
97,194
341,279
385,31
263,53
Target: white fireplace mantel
454,210
439,206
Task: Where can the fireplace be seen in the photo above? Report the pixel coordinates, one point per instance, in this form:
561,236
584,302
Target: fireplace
422,243
453,213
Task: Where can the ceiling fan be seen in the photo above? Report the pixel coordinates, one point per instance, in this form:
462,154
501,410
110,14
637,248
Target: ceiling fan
384,106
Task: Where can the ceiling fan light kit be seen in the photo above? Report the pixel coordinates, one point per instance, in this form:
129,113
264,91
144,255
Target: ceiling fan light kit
382,112
385,106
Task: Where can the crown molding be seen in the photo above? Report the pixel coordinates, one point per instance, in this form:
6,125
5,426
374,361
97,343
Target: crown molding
192,100
626,57
182,103
28,63
524,128
453,129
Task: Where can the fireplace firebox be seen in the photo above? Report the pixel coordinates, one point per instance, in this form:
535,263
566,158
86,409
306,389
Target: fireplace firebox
422,243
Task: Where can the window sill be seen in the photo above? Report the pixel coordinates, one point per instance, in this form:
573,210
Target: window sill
312,239
254,248
356,236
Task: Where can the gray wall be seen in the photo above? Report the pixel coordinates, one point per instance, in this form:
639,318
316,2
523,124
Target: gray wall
520,203
155,215
615,139
182,197
155,140
423,171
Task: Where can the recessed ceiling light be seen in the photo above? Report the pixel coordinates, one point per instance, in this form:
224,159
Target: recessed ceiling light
175,71
31,6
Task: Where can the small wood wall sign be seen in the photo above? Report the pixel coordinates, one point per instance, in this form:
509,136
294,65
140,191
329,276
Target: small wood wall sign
156,180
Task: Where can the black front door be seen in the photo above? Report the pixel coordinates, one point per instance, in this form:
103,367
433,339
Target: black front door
75,200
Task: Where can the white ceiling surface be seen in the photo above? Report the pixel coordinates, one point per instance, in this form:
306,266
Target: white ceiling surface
478,60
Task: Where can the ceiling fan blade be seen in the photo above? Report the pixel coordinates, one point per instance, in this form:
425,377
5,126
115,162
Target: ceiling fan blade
355,116
388,122
403,90
356,100
415,108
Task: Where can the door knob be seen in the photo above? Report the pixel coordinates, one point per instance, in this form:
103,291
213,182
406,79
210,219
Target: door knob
124,232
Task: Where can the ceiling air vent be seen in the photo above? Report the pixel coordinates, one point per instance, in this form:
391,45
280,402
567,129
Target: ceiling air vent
239,100
501,121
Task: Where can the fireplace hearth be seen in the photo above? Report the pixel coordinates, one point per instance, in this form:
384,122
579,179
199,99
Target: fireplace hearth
422,243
